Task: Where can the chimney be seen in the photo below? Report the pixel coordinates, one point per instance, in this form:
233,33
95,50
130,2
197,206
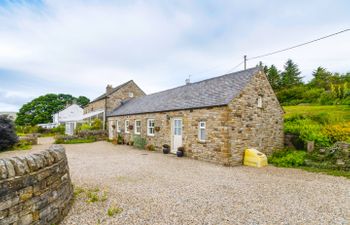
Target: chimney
109,89
188,80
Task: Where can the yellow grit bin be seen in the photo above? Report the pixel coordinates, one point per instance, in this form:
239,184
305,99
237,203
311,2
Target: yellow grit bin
253,157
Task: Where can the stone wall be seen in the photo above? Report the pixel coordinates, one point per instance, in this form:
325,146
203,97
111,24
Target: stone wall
214,149
251,126
35,189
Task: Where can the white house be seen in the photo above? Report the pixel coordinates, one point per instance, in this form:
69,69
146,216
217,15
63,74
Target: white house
69,116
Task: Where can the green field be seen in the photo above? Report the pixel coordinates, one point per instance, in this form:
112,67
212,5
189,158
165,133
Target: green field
327,126
338,111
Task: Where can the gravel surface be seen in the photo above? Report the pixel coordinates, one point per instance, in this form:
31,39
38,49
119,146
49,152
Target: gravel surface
151,188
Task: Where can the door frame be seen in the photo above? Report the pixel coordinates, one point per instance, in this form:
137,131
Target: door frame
172,126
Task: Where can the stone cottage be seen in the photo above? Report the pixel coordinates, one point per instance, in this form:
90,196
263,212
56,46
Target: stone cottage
214,120
111,99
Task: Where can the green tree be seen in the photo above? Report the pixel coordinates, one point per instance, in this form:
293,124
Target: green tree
82,101
264,67
321,78
273,75
41,109
291,75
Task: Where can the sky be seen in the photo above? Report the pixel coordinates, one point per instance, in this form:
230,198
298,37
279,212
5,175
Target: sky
77,47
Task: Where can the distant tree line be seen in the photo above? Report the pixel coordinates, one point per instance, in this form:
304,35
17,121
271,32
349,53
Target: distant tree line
41,109
325,88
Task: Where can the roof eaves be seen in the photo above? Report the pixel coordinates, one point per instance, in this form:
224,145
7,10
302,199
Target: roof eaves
168,110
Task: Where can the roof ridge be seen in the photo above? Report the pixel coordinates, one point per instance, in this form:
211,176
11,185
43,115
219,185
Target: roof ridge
209,92
114,89
197,82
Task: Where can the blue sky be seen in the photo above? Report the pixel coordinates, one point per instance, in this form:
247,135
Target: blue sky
78,47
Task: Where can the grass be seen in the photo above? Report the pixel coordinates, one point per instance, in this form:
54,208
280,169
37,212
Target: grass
338,173
340,111
91,195
113,210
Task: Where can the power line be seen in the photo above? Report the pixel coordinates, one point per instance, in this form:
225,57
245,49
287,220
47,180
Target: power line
296,46
233,68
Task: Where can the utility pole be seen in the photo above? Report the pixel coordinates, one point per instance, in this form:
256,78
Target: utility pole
245,62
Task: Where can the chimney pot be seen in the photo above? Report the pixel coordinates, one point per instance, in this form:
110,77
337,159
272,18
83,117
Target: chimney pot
109,89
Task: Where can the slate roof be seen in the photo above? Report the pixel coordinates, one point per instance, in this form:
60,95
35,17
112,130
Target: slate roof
217,91
114,90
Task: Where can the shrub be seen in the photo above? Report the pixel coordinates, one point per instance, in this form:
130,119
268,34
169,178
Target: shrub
288,158
120,139
150,147
307,130
8,137
326,98
96,124
338,132
73,139
23,145
59,130
83,127
139,142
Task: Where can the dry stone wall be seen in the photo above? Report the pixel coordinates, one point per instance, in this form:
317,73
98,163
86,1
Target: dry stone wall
35,189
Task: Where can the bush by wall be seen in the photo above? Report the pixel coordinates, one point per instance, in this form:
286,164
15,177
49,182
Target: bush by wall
139,142
8,137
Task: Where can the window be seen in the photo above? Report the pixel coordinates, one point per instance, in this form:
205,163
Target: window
131,94
127,126
201,131
150,127
118,126
260,102
137,126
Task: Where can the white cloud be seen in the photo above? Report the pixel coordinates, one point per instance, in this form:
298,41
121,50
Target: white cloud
83,45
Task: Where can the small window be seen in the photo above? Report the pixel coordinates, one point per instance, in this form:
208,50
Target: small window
150,127
127,126
137,126
118,126
201,131
131,94
260,102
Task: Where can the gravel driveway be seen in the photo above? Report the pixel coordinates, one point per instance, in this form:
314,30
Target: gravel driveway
152,188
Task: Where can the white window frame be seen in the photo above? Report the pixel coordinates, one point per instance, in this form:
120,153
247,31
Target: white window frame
202,125
131,94
118,126
260,101
126,126
150,128
136,127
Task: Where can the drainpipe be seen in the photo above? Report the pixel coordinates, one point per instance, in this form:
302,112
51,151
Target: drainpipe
105,114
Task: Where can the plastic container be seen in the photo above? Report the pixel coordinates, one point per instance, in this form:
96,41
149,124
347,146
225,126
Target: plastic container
253,157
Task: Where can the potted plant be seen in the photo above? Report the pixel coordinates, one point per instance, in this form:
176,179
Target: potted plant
131,127
120,139
115,141
157,129
180,151
166,149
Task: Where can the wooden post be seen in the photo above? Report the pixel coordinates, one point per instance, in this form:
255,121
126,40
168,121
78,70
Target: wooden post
310,146
245,62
